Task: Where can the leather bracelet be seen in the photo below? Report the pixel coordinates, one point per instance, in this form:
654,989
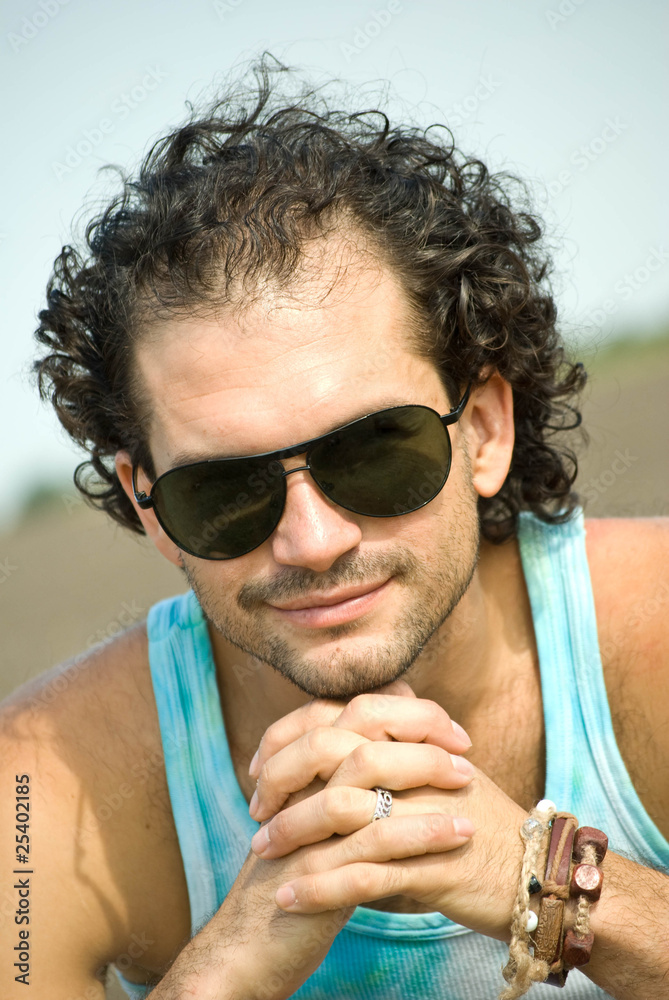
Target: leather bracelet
590,846
572,871
567,857
549,936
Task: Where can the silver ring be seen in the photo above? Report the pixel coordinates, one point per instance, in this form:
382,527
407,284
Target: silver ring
384,803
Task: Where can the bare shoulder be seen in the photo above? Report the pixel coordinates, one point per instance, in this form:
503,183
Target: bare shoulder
629,567
101,830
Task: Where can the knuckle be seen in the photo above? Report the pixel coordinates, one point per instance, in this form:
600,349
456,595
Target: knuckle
380,834
308,890
437,759
321,712
363,878
363,756
370,706
434,829
437,713
317,740
267,774
281,827
337,804
388,881
356,705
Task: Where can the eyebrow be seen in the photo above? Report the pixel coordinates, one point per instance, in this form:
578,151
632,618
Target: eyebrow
186,458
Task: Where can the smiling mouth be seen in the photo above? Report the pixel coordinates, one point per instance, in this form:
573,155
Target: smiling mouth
327,600
335,608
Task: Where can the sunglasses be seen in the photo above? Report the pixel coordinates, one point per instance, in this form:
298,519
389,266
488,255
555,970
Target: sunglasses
385,464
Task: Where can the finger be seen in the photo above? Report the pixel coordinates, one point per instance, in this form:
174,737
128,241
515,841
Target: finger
402,765
390,863
319,712
398,687
280,734
316,754
385,716
332,811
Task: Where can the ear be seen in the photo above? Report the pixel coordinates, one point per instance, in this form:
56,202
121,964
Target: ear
148,518
489,430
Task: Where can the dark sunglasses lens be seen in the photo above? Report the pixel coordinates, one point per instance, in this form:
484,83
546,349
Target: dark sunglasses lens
220,510
389,463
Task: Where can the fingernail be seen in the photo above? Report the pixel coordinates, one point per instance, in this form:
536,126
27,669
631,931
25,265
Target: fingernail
260,840
463,827
462,765
460,732
253,804
253,763
285,897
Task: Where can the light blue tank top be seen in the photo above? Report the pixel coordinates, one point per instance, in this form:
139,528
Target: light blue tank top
392,956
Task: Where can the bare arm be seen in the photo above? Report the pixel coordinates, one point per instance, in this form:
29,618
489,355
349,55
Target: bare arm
630,957
251,949
98,882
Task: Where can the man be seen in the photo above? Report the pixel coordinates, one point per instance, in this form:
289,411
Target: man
313,358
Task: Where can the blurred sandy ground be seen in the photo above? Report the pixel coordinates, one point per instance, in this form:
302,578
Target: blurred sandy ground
69,576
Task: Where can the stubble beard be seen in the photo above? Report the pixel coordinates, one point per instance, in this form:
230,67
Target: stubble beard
431,595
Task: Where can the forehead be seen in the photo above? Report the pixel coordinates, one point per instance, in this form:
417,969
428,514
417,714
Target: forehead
290,366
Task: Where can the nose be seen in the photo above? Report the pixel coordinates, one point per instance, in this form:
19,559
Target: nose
313,531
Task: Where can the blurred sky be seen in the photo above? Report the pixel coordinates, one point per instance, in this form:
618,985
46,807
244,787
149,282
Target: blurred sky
572,95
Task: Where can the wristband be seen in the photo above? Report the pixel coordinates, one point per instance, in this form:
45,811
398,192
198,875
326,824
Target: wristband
549,936
567,858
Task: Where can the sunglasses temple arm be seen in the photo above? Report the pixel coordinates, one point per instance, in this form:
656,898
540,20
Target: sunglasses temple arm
454,415
141,499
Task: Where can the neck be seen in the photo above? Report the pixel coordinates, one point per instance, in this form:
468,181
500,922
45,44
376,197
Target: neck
486,648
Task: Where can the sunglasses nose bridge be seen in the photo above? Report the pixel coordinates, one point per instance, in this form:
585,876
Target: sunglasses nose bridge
299,468
323,485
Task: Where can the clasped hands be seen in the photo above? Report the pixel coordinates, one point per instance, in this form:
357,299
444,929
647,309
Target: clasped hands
451,842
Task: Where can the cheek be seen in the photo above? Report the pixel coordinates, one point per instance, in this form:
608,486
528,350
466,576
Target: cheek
210,579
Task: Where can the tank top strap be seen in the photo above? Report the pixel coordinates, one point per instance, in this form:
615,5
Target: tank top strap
585,772
210,813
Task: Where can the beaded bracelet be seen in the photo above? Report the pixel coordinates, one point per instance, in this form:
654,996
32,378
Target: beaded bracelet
568,860
590,846
522,969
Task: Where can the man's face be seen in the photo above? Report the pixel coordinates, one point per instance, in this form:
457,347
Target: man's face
290,367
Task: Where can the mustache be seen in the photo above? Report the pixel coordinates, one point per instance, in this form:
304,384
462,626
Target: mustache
292,584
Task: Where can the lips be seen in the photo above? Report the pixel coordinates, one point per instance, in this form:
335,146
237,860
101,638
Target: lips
327,600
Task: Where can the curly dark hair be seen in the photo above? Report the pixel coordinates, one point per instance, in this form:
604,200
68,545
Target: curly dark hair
233,194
